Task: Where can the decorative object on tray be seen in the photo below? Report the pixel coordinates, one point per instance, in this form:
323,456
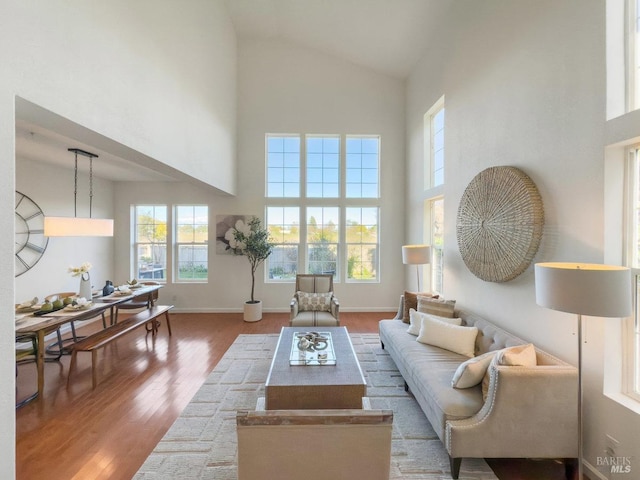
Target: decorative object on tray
252,241
312,348
85,284
28,306
134,284
499,224
79,304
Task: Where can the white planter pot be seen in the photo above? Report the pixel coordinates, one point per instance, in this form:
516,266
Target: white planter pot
253,311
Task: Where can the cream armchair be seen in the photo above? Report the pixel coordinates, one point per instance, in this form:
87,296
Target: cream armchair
313,303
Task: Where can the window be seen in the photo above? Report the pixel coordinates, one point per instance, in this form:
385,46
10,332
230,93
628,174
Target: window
192,243
437,244
337,187
283,166
433,210
633,262
362,243
283,224
437,147
323,167
322,239
150,242
634,53
362,167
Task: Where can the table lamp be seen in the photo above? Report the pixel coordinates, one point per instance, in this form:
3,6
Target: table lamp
416,255
585,289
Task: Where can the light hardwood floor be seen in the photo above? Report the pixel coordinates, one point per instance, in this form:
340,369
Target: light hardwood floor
77,433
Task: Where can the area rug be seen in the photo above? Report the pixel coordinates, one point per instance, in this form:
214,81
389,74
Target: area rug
201,444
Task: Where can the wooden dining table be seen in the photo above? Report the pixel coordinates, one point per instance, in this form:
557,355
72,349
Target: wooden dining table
43,325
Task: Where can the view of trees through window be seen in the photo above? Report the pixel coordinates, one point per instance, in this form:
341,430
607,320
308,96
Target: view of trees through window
192,237
151,242
317,223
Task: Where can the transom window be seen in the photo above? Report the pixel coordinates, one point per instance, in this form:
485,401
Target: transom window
323,167
283,166
362,167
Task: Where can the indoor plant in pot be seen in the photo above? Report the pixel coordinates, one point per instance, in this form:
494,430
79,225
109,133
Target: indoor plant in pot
251,240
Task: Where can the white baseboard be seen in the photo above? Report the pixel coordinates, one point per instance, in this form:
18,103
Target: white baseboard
593,473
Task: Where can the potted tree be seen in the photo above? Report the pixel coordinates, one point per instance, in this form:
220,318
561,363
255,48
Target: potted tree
252,241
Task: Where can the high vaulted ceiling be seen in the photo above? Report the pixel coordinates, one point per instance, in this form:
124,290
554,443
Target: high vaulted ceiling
388,36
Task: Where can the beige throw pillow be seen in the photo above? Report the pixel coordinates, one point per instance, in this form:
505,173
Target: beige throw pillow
470,373
455,338
411,301
315,302
415,319
436,306
520,355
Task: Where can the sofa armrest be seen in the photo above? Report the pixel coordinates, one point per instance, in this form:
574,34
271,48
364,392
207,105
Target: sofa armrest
293,307
335,307
529,412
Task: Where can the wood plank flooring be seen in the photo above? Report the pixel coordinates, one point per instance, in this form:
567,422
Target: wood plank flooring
76,433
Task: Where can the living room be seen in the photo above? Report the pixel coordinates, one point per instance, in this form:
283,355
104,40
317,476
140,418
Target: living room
184,93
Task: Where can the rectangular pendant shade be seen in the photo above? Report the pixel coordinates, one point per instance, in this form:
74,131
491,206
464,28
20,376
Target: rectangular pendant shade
78,227
584,288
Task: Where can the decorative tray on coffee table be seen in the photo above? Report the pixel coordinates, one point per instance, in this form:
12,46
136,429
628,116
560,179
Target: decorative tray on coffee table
312,348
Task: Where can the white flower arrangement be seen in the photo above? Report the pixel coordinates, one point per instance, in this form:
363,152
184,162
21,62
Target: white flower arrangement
81,270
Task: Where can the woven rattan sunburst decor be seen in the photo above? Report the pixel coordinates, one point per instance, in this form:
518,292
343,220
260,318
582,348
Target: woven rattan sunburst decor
499,224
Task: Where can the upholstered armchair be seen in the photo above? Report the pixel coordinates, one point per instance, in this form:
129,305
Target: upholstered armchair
314,303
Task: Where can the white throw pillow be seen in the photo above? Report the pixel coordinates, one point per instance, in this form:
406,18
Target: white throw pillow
415,321
455,338
520,355
470,373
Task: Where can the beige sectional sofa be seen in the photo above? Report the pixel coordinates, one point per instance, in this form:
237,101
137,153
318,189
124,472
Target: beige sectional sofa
529,412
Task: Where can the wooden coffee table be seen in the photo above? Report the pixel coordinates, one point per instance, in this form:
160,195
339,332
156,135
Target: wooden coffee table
291,387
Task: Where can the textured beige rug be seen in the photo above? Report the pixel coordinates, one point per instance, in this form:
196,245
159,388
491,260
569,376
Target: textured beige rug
201,444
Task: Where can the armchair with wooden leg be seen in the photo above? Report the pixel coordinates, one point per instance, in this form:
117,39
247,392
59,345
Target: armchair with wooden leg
314,303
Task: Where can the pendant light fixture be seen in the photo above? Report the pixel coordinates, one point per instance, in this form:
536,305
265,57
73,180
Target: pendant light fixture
79,226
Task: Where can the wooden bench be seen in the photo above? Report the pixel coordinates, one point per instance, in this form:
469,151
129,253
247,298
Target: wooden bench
103,337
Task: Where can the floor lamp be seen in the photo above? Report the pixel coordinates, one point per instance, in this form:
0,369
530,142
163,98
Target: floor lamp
416,255
585,289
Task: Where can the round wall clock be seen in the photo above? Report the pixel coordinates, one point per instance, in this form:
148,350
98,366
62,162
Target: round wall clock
30,240
499,224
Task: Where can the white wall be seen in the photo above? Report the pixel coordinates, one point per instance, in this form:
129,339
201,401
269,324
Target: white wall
524,85
157,76
52,189
286,89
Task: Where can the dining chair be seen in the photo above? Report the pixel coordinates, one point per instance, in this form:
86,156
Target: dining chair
26,352
74,336
139,303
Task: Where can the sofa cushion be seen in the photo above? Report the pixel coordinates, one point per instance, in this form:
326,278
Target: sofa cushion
415,320
436,306
455,338
411,301
471,372
314,302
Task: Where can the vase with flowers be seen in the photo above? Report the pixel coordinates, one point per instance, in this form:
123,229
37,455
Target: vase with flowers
85,283
251,240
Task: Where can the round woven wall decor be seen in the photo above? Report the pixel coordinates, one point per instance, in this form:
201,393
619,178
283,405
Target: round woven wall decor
499,224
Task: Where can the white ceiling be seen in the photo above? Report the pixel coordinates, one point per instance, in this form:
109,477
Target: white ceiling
387,36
